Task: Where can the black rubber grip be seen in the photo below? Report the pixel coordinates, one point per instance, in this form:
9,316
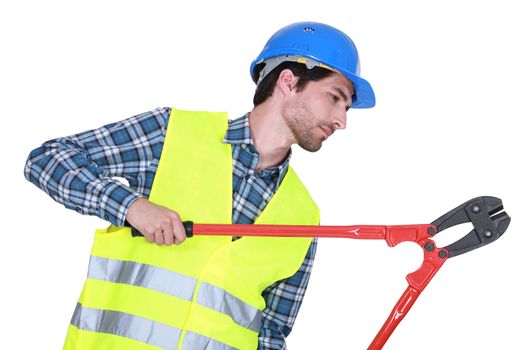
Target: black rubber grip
188,226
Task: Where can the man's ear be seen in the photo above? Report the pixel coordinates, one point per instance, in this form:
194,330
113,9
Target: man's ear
286,82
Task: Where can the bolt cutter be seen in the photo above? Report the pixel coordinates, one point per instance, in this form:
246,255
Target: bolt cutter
485,213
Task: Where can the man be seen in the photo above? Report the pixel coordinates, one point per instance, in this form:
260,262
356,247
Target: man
210,292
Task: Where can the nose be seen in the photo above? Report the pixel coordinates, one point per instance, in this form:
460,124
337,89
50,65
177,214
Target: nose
339,119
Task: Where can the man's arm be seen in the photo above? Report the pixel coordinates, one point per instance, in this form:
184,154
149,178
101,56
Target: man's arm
283,300
79,172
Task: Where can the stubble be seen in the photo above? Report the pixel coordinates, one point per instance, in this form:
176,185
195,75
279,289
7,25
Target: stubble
301,121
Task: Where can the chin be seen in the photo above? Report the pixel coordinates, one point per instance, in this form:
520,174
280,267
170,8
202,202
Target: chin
310,147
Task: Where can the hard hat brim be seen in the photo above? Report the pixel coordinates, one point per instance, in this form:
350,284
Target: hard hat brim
364,94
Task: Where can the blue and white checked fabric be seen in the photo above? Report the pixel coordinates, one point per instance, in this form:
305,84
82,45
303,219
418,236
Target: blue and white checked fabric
79,172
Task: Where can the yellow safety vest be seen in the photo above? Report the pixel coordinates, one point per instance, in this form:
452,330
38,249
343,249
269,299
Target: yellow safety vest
205,293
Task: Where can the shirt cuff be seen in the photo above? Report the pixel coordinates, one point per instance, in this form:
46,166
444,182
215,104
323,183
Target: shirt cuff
115,201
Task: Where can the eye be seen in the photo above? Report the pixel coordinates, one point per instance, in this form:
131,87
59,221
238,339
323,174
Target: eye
334,98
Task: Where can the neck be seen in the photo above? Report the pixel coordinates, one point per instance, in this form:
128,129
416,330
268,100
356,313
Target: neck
271,136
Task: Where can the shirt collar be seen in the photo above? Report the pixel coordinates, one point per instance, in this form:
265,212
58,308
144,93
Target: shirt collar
238,133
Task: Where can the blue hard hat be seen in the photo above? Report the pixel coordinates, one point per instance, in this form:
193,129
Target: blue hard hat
316,44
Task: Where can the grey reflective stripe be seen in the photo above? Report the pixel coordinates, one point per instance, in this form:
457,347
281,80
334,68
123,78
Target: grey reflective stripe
220,300
126,325
175,284
193,341
142,275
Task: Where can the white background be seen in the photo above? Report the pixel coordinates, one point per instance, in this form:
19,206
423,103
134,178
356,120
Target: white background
447,127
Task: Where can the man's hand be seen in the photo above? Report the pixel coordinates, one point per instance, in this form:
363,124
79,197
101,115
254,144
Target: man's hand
158,224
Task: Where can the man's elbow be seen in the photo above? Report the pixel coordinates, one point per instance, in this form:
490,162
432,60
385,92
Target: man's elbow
31,164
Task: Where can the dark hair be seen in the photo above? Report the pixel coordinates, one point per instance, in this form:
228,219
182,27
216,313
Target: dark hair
265,87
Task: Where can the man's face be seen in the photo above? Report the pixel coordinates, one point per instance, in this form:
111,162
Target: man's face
318,110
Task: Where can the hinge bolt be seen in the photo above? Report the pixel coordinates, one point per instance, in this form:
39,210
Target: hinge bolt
429,246
431,230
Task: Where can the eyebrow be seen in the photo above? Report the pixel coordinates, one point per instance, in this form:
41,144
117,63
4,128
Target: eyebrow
345,96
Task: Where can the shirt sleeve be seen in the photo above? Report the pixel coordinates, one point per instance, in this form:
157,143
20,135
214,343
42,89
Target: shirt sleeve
81,171
283,300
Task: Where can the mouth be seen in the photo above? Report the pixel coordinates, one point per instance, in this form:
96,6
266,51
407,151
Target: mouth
326,131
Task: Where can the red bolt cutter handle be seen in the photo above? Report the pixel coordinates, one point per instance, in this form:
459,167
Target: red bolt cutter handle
417,281
358,232
390,233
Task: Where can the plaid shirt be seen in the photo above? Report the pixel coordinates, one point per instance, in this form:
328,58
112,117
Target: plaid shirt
79,172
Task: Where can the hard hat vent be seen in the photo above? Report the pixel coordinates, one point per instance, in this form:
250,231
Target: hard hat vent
309,29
